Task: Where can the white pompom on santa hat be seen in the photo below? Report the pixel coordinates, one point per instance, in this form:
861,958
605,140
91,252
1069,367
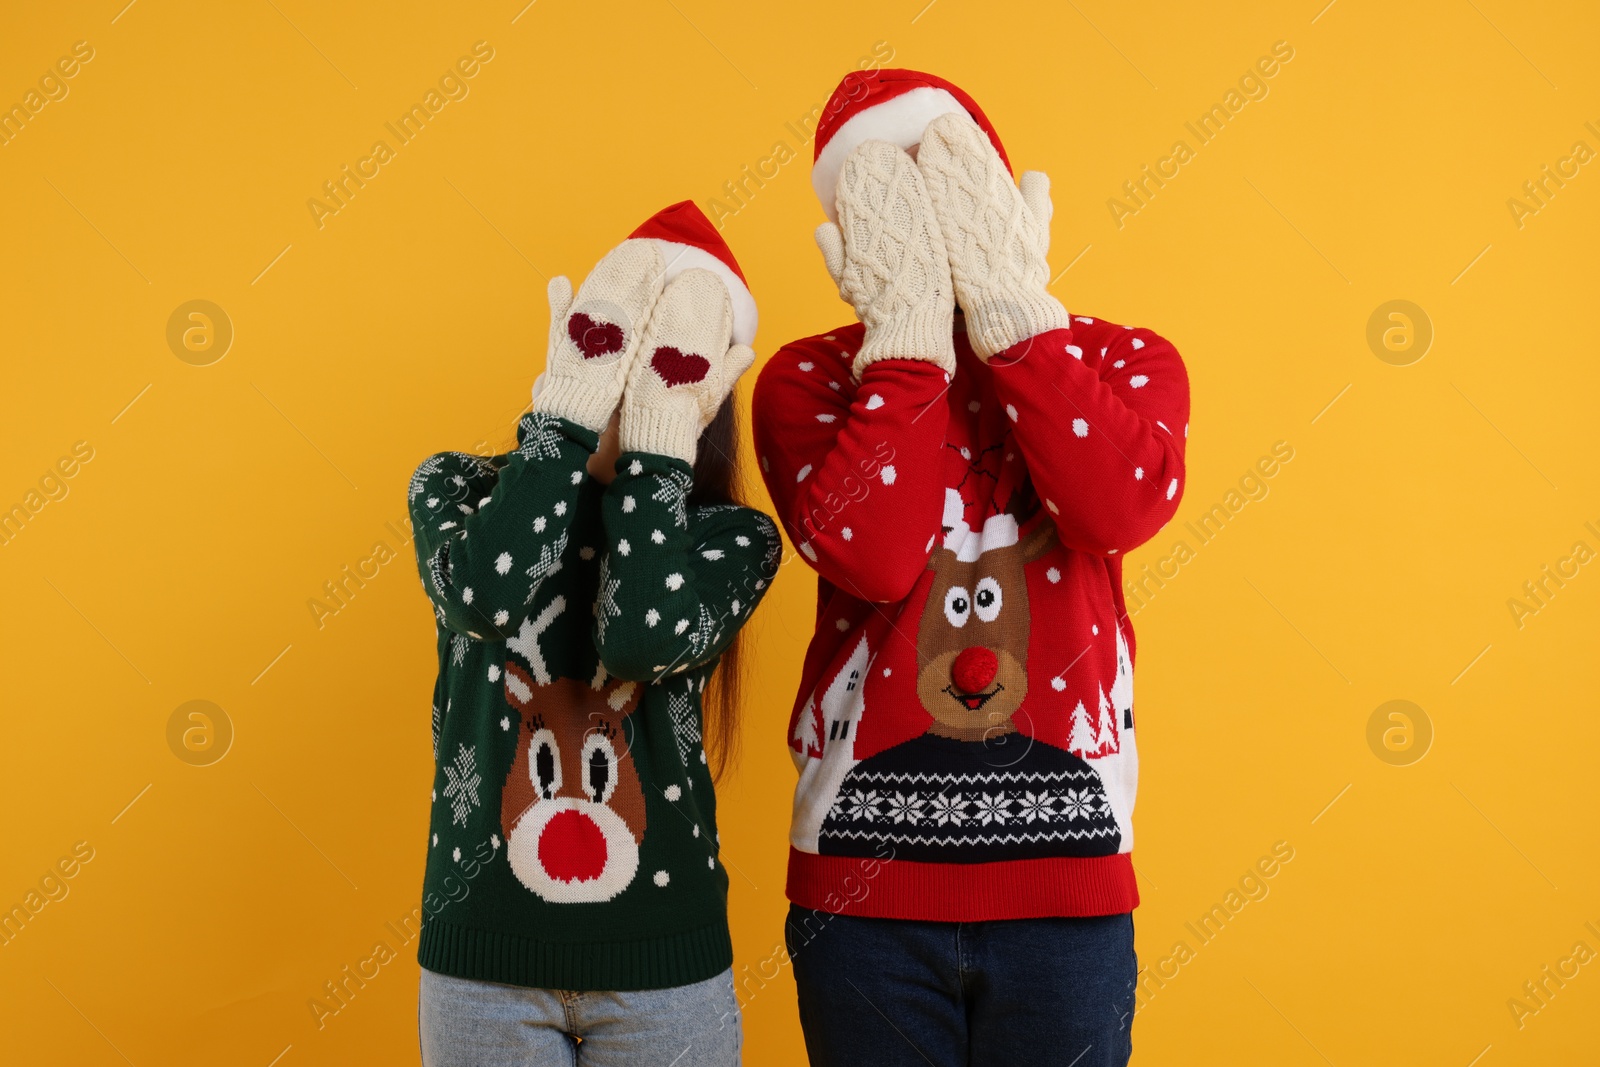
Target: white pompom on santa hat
687,241
884,105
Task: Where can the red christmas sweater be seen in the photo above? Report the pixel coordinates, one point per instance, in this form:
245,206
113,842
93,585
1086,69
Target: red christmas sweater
964,728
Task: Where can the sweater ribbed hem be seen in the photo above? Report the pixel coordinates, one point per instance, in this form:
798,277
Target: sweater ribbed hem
655,963
963,892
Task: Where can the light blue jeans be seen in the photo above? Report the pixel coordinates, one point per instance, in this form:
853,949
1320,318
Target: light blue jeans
467,1023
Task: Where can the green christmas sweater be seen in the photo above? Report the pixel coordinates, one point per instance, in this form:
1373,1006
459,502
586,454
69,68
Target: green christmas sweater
573,837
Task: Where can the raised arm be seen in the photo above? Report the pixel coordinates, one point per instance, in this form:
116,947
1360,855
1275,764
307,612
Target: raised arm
1103,437
485,533
488,534
677,582
854,472
863,462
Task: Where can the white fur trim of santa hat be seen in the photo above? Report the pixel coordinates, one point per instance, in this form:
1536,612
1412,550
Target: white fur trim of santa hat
900,120
678,258
687,240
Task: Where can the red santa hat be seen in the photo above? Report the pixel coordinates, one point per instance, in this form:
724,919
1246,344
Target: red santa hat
687,240
884,105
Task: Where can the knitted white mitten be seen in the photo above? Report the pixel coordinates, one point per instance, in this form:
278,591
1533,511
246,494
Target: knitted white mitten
997,235
685,369
592,348
888,259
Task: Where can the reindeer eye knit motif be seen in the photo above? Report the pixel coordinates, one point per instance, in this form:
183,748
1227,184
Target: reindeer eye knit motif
573,837
964,729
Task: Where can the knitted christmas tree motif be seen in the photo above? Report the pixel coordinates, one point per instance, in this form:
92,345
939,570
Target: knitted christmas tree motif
701,635
1096,737
439,570
774,550
428,468
806,737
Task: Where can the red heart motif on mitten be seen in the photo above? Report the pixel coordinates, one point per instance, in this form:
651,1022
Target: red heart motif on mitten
594,339
677,368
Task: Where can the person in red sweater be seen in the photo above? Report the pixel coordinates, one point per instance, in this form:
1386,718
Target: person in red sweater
964,469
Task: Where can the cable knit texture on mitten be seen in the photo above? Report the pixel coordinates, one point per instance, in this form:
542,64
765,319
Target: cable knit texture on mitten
997,245
685,369
593,341
889,260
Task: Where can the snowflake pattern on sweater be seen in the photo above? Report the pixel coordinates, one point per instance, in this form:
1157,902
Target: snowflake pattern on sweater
967,532
937,800
562,712
462,784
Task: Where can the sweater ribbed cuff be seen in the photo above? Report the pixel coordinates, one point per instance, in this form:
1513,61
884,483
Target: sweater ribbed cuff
998,320
670,430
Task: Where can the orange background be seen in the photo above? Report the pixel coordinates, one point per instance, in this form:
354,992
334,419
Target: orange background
1378,566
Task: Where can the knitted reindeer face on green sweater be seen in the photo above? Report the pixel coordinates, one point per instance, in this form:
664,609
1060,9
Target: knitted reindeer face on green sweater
572,809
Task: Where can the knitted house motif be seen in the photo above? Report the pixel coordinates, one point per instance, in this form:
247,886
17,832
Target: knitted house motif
1122,688
828,720
825,739
1119,768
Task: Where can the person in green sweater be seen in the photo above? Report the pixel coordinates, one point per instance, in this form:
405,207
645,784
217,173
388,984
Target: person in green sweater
589,588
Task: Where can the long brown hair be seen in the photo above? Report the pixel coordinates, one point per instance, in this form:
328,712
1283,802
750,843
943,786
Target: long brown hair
717,481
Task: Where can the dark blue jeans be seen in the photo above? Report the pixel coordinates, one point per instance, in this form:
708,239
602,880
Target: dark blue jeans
897,993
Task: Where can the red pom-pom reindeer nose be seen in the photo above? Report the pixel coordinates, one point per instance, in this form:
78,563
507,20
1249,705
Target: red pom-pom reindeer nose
573,847
974,669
